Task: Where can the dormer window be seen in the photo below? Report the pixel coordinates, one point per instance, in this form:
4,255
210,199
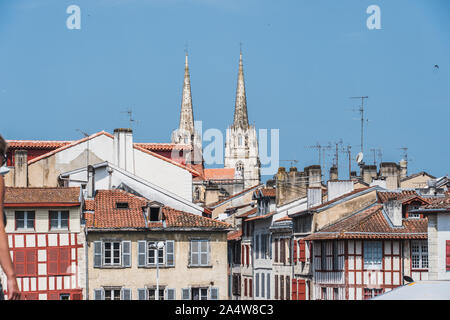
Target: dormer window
155,214
122,205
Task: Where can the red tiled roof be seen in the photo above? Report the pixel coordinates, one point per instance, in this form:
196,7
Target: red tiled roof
439,204
163,146
219,174
89,205
107,216
246,214
267,215
286,218
384,196
372,224
269,192
36,144
234,235
41,196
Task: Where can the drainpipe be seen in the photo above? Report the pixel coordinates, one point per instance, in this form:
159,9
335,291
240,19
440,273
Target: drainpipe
86,255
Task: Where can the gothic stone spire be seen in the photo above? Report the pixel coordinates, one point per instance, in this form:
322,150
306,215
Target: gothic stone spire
240,109
187,114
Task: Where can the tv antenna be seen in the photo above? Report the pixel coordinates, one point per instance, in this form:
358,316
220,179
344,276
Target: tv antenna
361,111
348,151
130,115
86,135
321,150
405,153
291,161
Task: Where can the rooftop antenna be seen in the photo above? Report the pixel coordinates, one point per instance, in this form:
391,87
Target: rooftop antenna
349,154
291,161
405,153
87,153
318,147
361,111
130,115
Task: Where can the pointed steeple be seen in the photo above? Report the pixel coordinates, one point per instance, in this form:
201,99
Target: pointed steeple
240,109
187,114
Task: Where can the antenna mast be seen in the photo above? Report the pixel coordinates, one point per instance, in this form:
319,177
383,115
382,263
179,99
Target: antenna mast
361,110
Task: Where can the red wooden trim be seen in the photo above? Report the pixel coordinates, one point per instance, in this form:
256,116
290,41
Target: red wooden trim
447,255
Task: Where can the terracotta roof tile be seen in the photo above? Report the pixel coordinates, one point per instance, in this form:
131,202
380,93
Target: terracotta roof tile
163,146
36,144
269,192
106,215
286,218
246,214
439,203
267,215
384,196
372,224
15,196
234,235
219,174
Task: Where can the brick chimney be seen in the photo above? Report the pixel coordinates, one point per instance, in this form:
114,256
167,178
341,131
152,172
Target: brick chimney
403,168
21,168
368,173
282,180
393,210
123,149
334,173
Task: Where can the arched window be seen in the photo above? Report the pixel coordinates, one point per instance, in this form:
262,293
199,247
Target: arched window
239,140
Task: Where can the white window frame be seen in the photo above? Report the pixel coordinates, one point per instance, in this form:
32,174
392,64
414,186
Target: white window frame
59,219
419,249
113,291
112,263
25,219
373,255
203,293
156,253
162,295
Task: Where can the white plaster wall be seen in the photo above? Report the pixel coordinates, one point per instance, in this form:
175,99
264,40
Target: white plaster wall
101,146
443,234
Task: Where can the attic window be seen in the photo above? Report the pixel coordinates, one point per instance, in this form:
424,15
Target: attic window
121,205
154,214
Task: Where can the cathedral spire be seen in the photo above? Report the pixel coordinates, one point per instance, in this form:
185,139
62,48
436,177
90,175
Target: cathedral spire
240,109
187,114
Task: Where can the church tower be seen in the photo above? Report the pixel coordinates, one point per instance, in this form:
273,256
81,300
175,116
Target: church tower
241,146
186,133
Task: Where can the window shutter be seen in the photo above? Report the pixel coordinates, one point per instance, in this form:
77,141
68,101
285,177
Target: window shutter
270,246
250,288
295,252
302,257
247,253
242,254
301,289
276,250
142,294
170,294
268,286
99,294
447,256
276,287
98,254
213,293
125,294
142,253
294,289
170,253
186,294
77,296
126,253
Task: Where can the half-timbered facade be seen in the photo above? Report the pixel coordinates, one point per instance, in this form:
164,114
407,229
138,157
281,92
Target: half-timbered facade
46,245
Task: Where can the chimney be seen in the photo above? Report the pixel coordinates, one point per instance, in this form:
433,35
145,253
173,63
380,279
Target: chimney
368,173
20,168
334,173
353,175
282,180
339,188
123,149
393,210
314,197
314,176
90,187
403,168
390,170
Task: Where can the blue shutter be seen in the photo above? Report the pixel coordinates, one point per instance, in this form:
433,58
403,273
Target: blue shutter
170,253
142,294
125,294
213,293
98,254
126,253
142,253
99,294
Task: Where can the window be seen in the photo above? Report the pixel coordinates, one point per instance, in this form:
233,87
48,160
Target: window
151,255
276,287
199,293
323,255
447,255
25,262
371,293
59,220
154,214
199,253
58,261
257,285
112,294
268,286
121,205
288,287
152,294
262,285
335,256
64,296
239,170
111,255
336,293
324,293
281,287
372,254
419,254
24,220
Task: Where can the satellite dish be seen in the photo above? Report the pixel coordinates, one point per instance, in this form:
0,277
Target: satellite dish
359,157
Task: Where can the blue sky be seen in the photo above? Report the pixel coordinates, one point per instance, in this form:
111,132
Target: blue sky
302,62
